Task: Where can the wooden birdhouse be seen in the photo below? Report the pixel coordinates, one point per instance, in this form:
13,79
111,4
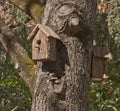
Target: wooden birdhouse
99,63
43,43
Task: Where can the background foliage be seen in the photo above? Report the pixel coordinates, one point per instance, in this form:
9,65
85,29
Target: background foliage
14,93
103,96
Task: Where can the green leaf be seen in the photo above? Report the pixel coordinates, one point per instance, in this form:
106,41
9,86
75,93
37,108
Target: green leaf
112,107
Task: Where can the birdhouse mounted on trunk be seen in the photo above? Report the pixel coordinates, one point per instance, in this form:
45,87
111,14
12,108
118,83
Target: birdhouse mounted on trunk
99,63
43,43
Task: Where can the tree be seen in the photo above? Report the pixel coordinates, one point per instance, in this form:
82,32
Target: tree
60,85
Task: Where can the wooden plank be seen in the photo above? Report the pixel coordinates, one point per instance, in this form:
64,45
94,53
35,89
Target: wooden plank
46,50
101,51
99,69
48,31
32,34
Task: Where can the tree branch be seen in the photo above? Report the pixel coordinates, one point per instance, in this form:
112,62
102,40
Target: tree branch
24,65
34,8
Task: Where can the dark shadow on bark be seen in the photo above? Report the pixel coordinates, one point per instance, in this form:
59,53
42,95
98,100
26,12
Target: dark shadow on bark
56,70
58,66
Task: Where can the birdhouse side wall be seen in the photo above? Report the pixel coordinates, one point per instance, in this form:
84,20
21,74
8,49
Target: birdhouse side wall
44,47
52,48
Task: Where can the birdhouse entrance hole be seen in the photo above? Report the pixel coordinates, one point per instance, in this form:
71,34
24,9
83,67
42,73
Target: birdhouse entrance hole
38,42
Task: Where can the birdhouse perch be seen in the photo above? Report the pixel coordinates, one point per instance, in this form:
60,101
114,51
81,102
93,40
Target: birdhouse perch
43,43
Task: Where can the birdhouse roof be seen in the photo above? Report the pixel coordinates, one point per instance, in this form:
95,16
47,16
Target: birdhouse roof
45,29
101,51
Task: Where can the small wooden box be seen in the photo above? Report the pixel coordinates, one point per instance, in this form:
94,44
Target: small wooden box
99,63
44,41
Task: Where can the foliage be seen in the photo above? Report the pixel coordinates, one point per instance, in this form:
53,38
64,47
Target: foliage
113,20
14,94
13,91
105,96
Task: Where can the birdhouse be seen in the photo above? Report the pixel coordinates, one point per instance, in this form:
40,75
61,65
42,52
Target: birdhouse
43,43
99,63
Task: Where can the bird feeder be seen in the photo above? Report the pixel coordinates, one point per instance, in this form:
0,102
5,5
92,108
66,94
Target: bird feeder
99,63
43,43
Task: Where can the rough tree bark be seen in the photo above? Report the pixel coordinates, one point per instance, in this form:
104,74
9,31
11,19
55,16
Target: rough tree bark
62,85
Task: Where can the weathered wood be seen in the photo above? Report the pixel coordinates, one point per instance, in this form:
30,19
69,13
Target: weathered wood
43,43
33,33
99,69
99,63
45,29
101,51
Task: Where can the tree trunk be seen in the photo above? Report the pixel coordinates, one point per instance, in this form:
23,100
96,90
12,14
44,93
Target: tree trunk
63,85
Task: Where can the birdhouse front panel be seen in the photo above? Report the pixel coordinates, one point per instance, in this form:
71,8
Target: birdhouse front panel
36,46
